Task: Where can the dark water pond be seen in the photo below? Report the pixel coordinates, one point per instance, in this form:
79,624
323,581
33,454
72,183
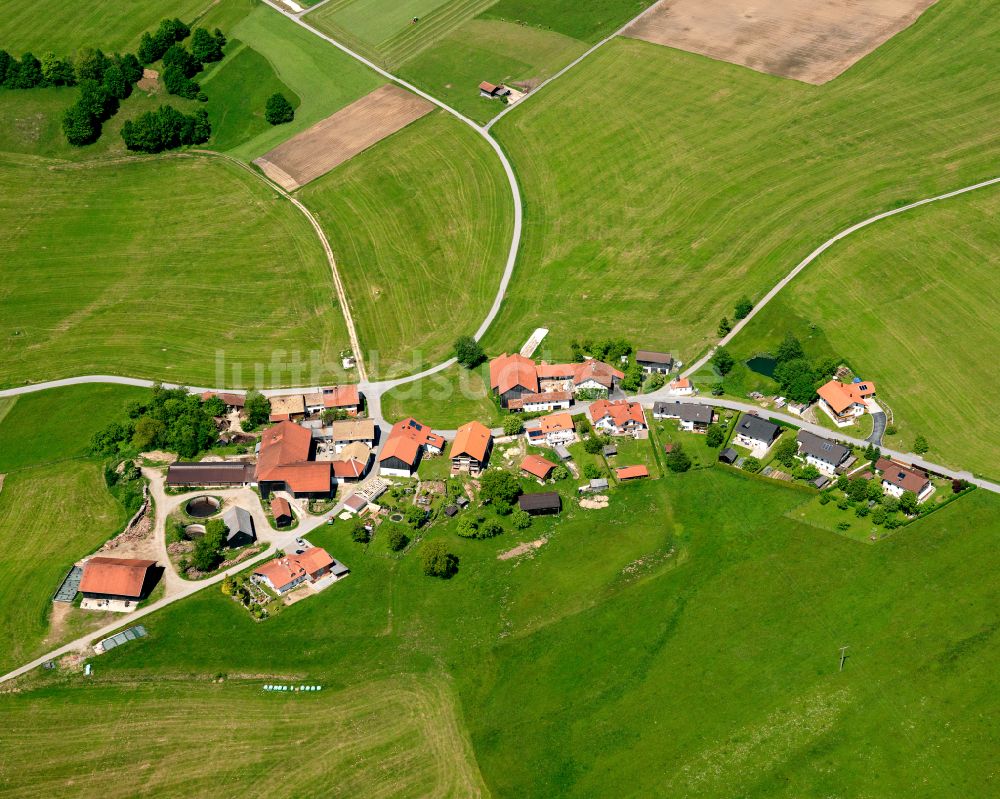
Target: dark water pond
762,365
200,507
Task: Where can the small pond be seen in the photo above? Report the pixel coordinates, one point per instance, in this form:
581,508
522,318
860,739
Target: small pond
201,507
396,517
762,365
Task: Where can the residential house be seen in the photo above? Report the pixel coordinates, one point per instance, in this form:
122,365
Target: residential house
285,463
692,416
536,466
493,91
281,511
825,455
654,362
756,434
355,503
313,402
545,401
116,583
210,473
592,375
344,398
233,402
626,473
285,408
283,574
352,431
619,418
351,464
239,527
845,402
557,428
898,478
470,451
680,387
512,377
540,504
405,445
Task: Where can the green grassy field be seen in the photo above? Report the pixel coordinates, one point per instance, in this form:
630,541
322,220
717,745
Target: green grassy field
705,181
491,50
396,738
683,641
52,25
445,401
321,76
588,24
54,505
153,267
420,227
909,303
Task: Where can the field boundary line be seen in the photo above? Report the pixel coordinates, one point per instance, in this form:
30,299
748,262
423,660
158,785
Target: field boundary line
818,252
571,64
480,130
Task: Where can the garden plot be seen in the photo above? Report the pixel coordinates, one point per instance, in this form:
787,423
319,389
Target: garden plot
809,41
340,137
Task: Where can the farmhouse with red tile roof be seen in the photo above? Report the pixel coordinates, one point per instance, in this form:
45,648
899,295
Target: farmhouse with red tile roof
405,445
284,463
470,451
619,418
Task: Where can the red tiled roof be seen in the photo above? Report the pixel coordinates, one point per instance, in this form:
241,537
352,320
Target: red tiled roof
680,382
536,465
472,439
620,411
597,371
341,397
510,371
902,476
841,396
488,87
236,400
349,468
282,571
280,507
556,422
631,472
406,438
284,457
116,576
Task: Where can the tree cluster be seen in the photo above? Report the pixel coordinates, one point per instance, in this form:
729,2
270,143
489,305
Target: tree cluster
152,46
171,419
472,528
256,410
165,129
437,561
468,351
799,377
104,82
608,350
207,553
497,485
30,73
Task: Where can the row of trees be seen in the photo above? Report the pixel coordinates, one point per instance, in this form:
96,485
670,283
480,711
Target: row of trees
53,70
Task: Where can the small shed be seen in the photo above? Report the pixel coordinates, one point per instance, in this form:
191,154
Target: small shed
462,502
546,502
822,482
728,455
610,450
239,527
563,453
450,511
281,511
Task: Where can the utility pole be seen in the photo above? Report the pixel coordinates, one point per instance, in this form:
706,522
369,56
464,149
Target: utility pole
843,656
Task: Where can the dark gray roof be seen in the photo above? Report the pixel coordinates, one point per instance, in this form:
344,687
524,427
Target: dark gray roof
338,568
599,482
210,473
238,521
687,411
821,482
821,448
610,449
758,429
650,356
728,455
563,453
545,500
451,510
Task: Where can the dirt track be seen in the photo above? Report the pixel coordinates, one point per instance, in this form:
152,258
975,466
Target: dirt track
809,40
340,137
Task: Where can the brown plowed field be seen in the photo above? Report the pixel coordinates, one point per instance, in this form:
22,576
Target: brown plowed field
809,40
365,122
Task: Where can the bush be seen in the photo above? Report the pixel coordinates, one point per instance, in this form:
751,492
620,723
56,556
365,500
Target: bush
595,443
891,430
497,485
786,450
582,425
844,526
678,460
920,446
592,472
206,47
861,510
752,465
843,504
512,425
469,352
80,126
724,327
723,361
655,382
715,436
718,389
502,508
743,307
560,473
490,529
278,110
467,527
521,519
359,533
879,515
397,539
114,83
824,498
437,561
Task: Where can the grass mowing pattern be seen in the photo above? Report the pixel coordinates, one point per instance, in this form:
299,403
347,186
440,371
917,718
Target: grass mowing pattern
915,311
396,738
54,505
150,267
420,226
324,79
656,202
690,611
487,49
590,24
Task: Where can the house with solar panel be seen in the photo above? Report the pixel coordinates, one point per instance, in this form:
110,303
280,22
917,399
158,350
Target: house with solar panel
827,456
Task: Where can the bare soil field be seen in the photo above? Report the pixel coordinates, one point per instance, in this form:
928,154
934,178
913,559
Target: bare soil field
801,39
340,137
